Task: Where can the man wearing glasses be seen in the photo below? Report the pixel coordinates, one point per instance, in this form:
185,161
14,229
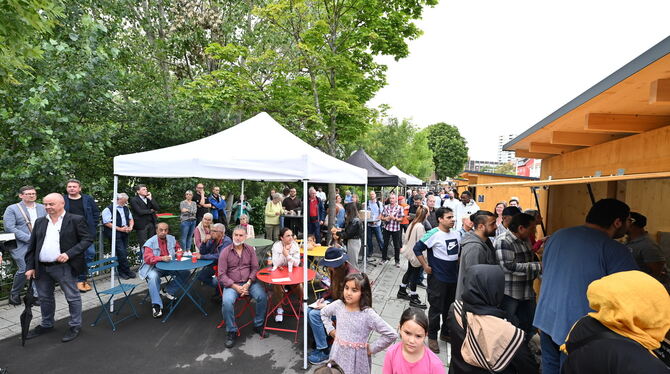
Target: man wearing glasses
20,219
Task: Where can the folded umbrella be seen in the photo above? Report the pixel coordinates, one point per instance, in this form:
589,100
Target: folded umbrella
27,314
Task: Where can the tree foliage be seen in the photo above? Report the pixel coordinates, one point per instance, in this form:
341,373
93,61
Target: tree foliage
22,24
450,149
394,142
119,77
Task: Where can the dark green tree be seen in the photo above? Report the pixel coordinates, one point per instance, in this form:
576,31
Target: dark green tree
450,149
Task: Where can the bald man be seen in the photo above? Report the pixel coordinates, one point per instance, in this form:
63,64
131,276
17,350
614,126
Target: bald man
56,254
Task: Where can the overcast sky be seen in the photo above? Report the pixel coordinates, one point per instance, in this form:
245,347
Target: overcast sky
498,67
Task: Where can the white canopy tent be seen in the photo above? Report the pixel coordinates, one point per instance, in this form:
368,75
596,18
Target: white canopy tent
410,179
257,149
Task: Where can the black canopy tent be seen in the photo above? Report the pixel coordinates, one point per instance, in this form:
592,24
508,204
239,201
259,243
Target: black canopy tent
377,174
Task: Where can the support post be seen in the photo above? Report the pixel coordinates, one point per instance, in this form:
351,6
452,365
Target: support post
304,269
537,205
365,232
593,199
114,205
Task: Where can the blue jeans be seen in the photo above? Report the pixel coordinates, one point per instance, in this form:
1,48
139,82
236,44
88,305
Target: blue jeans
154,283
89,256
206,276
315,228
122,254
521,314
377,230
552,358
187,228
318,330
228,305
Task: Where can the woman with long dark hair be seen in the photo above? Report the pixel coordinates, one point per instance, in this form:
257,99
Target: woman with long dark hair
352,233
414,232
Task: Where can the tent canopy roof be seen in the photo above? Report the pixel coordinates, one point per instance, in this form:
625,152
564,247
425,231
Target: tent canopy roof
257,149
377,174
410,179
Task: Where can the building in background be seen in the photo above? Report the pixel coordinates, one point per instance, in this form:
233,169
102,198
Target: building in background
505,156
528,167
478,165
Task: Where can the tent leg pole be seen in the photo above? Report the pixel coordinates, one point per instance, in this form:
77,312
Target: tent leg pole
365,232
242,201
537,205
114,205
304,267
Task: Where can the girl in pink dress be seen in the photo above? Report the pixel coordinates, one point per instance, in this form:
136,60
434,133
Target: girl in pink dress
410,355
355,321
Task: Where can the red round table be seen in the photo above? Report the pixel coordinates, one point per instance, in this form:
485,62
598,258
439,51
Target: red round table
279,277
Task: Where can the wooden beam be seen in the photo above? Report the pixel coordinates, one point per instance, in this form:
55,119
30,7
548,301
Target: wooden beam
618,123
555,149
660,92
585,139
526,154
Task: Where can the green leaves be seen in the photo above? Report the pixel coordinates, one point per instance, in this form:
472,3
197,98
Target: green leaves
450,150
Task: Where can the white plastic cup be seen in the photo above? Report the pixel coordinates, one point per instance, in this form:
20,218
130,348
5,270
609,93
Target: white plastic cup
290,266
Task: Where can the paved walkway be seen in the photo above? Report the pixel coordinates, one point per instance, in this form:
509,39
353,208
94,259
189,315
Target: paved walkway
284,356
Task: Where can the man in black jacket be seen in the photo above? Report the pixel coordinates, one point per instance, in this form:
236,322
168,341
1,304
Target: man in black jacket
144,209
56,254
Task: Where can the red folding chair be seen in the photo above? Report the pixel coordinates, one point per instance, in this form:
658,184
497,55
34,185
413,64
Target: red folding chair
246,305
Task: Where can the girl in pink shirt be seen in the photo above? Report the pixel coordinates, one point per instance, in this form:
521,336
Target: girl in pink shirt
410,355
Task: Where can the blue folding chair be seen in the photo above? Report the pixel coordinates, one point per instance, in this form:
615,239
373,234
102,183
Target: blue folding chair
126,289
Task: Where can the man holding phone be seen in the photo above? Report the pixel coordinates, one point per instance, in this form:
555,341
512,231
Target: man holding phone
144,209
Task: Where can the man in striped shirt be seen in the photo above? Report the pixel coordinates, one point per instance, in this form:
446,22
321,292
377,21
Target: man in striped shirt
391,216
520,266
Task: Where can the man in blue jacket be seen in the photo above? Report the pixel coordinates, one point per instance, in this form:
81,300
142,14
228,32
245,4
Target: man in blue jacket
83,205
210,250
218,206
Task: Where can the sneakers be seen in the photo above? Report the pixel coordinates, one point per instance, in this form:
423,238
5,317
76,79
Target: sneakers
131,274
402,293
280,315
167,295
421,284
71,334
317,357
230,339
157,311
434,346
415,302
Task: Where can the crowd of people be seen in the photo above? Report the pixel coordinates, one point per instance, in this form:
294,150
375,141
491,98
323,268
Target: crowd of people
603,305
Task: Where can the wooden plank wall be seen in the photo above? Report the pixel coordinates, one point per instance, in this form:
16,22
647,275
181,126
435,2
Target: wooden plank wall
641,153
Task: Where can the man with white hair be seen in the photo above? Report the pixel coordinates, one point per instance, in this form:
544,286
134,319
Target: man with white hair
56,254
124,225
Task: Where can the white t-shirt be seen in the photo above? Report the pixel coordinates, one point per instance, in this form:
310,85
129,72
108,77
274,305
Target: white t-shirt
464,211
32,215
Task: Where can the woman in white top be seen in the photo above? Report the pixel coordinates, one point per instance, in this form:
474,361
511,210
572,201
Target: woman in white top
244,222
285,253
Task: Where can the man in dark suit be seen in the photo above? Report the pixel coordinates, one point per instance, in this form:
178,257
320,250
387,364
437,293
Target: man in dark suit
56,254
144,210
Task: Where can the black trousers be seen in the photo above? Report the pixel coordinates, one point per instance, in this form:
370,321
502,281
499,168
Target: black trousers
143,234
396,236
440,296
411,276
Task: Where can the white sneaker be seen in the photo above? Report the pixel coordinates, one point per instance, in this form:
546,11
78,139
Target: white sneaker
280,315
167,295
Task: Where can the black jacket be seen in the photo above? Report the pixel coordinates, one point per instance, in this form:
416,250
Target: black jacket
74,240
615,354
143,213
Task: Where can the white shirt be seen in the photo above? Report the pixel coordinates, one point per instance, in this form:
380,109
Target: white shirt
464,211
32,214
451,203
321,195
51,246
